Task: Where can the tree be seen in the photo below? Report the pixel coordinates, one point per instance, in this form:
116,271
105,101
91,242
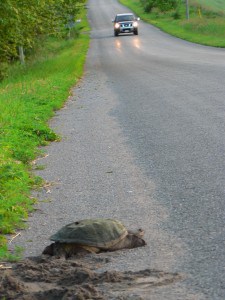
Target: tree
23,22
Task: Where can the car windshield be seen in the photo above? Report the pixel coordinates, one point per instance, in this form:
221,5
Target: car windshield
124,18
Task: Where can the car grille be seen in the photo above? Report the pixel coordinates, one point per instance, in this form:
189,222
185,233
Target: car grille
126,25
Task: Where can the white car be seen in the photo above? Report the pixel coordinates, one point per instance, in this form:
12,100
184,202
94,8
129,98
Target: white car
125,23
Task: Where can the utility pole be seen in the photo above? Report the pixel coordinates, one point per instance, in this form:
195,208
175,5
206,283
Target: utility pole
187,10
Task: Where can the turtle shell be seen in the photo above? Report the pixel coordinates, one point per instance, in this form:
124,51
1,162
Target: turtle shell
101,233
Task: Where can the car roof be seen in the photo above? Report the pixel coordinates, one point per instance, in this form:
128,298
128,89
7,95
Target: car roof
125,14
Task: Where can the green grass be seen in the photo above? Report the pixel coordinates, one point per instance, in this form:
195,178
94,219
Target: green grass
206,24
28,99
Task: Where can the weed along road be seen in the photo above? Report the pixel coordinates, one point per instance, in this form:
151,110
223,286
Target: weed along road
143,141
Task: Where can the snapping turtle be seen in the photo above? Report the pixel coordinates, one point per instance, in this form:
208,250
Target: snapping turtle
93,235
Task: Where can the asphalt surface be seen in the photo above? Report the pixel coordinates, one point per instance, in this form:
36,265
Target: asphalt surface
143,140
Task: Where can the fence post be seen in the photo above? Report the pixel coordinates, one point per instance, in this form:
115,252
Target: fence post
21,55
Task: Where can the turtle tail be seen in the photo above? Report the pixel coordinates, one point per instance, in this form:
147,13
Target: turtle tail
49,250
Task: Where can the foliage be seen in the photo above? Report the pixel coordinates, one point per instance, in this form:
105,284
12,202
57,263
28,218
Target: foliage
162,5
11,257
23,23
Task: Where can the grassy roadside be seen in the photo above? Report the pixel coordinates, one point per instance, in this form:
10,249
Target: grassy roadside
206,26
28,99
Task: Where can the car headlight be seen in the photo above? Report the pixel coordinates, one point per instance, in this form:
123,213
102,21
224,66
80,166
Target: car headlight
135,24
117,25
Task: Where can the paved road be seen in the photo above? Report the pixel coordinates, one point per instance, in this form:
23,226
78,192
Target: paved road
172,113
144,141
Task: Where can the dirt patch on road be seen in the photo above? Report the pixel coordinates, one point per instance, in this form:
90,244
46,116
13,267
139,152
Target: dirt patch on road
44,277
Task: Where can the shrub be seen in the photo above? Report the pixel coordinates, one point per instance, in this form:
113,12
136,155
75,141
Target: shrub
162,5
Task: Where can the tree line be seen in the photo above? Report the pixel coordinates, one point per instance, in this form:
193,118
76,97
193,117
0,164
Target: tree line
24,22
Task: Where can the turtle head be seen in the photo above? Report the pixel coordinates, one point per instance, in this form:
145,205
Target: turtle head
135,239
139,232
